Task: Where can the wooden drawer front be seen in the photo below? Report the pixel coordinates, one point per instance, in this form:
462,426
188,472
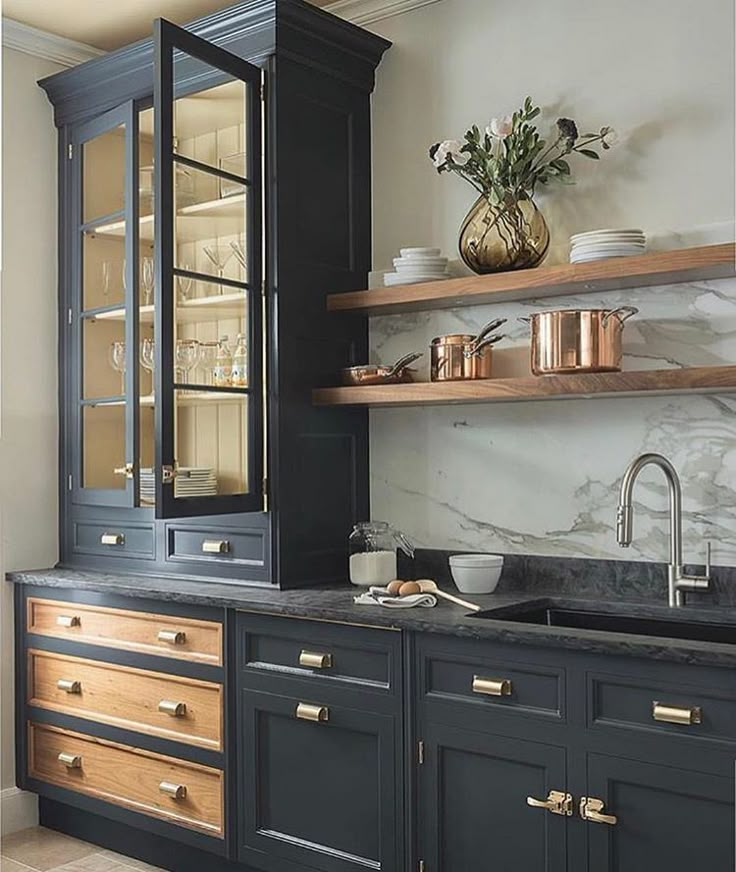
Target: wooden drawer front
130,540
350,654
682,710
125,697
493,683
221,546
129,777
164,635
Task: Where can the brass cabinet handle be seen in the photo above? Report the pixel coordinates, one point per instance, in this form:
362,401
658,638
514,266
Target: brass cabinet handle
175,791
112,539
556,802
676,714
68,620
69,685
315,660
591,809
126,470
491,686
308,712
173,708
215,546
173,637
71,761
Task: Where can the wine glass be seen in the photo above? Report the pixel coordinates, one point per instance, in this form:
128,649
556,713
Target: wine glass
239,252
147,352
220,256
184,283
147,279
105,278
117,361
186,356
208,360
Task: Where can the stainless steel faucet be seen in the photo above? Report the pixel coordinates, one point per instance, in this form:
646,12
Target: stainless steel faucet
678,581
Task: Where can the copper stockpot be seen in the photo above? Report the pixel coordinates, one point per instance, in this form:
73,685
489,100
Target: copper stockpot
462,356
577,340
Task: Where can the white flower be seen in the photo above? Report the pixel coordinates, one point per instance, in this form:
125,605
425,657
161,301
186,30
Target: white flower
450,148
500,127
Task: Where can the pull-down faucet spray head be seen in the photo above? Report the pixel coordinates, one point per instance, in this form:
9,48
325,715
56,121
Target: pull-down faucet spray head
625,524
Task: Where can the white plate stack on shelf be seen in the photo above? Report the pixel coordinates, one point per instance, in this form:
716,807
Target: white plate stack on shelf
601,244
417,265
191,481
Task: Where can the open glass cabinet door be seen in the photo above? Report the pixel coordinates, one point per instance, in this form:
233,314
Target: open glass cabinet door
208,327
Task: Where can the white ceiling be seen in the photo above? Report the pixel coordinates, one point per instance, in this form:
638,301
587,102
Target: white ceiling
107,24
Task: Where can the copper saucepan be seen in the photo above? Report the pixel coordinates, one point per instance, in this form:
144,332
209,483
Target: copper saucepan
577,340
461,356
380,374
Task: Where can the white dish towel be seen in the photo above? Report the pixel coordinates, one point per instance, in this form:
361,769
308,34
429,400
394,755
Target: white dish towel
379,596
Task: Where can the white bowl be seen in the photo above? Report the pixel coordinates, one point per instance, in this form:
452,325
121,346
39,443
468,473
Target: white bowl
476,573
421,252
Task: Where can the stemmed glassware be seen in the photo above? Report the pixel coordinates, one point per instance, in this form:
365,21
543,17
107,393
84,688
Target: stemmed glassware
208,360
147,357
186,356
105,279
239,252
184,283
117,361
147,279
219,255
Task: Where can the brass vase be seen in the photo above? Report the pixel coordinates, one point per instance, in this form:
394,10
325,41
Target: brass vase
510,235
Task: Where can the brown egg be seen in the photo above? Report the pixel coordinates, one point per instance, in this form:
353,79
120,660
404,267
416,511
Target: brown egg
394,586
408,588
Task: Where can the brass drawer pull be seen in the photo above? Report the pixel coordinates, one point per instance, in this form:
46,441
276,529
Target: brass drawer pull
556,802
216,546
112,539
68,621
175,791
315,660
312,712
69,685
491,686
591,809
676,714
173,708
71,761
173,637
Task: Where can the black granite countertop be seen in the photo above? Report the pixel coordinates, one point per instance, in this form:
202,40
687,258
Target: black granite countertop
336,604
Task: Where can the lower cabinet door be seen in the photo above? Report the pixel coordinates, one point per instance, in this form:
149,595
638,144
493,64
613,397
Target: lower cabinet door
319,785
473,807
665,818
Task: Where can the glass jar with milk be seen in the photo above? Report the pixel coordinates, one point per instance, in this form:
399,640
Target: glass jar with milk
373,547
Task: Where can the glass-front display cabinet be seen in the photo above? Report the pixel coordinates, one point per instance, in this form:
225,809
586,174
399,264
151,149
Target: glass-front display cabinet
204,216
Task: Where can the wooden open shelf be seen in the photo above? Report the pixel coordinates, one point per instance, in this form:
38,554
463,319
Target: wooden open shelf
697,379
646,270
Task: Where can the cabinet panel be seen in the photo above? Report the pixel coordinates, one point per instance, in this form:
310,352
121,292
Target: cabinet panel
473,803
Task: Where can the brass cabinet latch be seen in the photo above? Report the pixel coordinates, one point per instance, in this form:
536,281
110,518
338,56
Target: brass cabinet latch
168,474
556,803
127,470
591,809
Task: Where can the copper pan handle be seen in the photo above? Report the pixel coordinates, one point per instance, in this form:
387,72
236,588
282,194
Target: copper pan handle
490,327
403,362
627,311
525,319
484,343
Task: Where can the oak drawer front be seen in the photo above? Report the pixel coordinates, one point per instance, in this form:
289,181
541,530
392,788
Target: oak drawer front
163,635
647,705
183,709
183,793
221,546
131,540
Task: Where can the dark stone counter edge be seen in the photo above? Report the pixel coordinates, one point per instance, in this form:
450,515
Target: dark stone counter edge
336,604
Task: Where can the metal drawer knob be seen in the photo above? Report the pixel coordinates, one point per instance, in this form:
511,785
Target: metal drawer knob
112,539
71,761
315,660
173,637
307,712
216,546
68,621
676,714
173,708
492,686
69,685
175,791
591,809
556,802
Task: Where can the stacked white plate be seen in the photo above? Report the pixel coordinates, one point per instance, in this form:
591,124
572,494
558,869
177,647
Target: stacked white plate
600,244
191,481
417,265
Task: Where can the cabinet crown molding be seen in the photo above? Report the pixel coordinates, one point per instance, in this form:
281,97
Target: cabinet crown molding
369,11
49,46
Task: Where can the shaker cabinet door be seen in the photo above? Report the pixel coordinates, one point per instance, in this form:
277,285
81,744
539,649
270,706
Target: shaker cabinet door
473,809
317,785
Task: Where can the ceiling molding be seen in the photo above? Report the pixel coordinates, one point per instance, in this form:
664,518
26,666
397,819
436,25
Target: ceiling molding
369,11
49,46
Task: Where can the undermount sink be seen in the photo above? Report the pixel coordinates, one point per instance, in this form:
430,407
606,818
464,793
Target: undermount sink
548,615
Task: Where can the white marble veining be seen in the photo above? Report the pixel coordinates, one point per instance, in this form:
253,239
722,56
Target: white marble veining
543,477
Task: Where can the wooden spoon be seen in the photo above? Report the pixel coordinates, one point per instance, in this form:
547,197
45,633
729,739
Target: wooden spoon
428,586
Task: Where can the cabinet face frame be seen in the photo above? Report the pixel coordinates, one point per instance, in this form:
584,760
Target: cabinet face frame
172,43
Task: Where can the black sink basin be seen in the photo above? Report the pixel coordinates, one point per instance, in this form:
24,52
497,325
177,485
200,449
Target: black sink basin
584,619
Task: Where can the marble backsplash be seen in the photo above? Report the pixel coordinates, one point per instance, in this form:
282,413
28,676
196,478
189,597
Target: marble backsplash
543,477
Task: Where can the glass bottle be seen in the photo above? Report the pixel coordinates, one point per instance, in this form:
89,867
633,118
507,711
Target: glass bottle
223,364
373,547
240,362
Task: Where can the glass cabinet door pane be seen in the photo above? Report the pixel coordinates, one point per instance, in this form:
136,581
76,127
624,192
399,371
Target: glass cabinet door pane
103,447
103,174
103,269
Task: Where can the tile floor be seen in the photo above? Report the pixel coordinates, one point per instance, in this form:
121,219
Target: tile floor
42,850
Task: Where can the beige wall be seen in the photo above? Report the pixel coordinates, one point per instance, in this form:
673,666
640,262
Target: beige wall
28,372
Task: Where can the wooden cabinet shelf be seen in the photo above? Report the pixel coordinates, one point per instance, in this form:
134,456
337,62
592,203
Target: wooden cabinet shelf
696,379
646,270
197,311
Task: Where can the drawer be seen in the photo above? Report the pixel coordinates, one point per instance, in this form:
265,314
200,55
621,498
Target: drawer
246,548
131,540
647,705
329,652
164,635
183,793
183,709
